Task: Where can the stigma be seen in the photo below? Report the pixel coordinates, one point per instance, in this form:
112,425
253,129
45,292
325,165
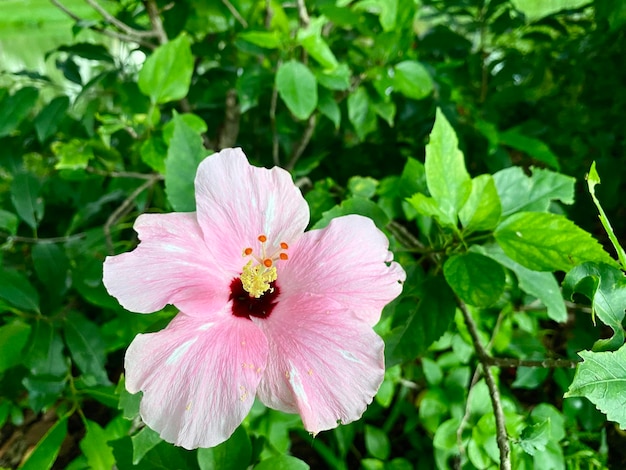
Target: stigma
260,272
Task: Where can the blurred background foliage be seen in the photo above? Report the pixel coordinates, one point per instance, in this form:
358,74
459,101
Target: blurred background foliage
107,107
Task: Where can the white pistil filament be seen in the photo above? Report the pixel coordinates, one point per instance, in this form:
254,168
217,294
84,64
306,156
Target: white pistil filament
260,272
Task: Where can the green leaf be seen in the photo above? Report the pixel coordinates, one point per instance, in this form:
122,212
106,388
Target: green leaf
72,155
359,186
95,447
8,222
387,11
426,323
601,378
15,108
13,338
377,443
310,38
128,402
448,181
233,454
355,205
297,86
51,266
47,121
282,462
412,79
592,180
361,113
482,209
45,452
542,285
25,198
605,286
166,74
386,110
143,442
476,279
548,242
18,291
265,39
45,353
529,145
519,192
427,206
184,154
153,153
536,9
334,79
86,346
329,107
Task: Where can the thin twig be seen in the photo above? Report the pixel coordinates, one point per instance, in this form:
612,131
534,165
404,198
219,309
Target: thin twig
155,20
65,239
235,13
269,14
501,435
273,103
117,23
123,174
123,208
303,14
106,32
303,143
545,363
232,115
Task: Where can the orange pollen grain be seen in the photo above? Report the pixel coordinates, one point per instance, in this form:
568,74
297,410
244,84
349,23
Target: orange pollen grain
262,238
284,246
284,256
267,263
247,251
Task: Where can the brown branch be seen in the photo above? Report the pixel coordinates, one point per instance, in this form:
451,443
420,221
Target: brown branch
269,14
303,143
303,14
113,21
545,363
104,31
235,13
273,103
123,174
65,239
155,21
230,130
483,357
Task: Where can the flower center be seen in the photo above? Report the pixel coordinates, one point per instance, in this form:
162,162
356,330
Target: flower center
259,273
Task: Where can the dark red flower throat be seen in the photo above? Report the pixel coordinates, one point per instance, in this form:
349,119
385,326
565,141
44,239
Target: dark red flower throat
246,306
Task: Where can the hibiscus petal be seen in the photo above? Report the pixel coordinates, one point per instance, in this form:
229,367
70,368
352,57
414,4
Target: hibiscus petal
324,362
198,379
171,265
237,202
349,262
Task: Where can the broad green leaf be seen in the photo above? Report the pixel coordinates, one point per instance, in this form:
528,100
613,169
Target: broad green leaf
51,265
26,200
43,391
47,121
529,145
8,222
143,442
536,9
163,456
545,411
548,242
233,454
377,443
605,286
72,155
44,356
334,79
282,462
361,113
18,291
153,153
329,107
13,338
536,436
476,279
519,192
193,121
94,445
355,205
482,209
15,108
425,323
310,38
297,86
542,285
387,11
166,74
601,378
386,110
86,346
45,452
128,402
362,187
592,180
448,181
412,80
265,39
184,154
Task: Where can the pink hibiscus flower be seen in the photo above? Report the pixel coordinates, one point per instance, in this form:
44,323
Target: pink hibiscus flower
267,310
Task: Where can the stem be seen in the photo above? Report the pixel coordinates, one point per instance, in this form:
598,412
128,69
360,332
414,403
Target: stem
302,144
235,13
117,23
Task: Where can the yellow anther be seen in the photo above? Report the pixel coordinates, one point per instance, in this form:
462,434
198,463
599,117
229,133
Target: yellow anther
256,279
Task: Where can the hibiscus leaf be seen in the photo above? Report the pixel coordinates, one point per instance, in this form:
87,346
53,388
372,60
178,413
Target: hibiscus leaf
282,462
297,86
86,346
94,445
548,242
184,154
482,210
143,442
46,451
601,378
475,278
233,454
355,205
13,338
412,79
